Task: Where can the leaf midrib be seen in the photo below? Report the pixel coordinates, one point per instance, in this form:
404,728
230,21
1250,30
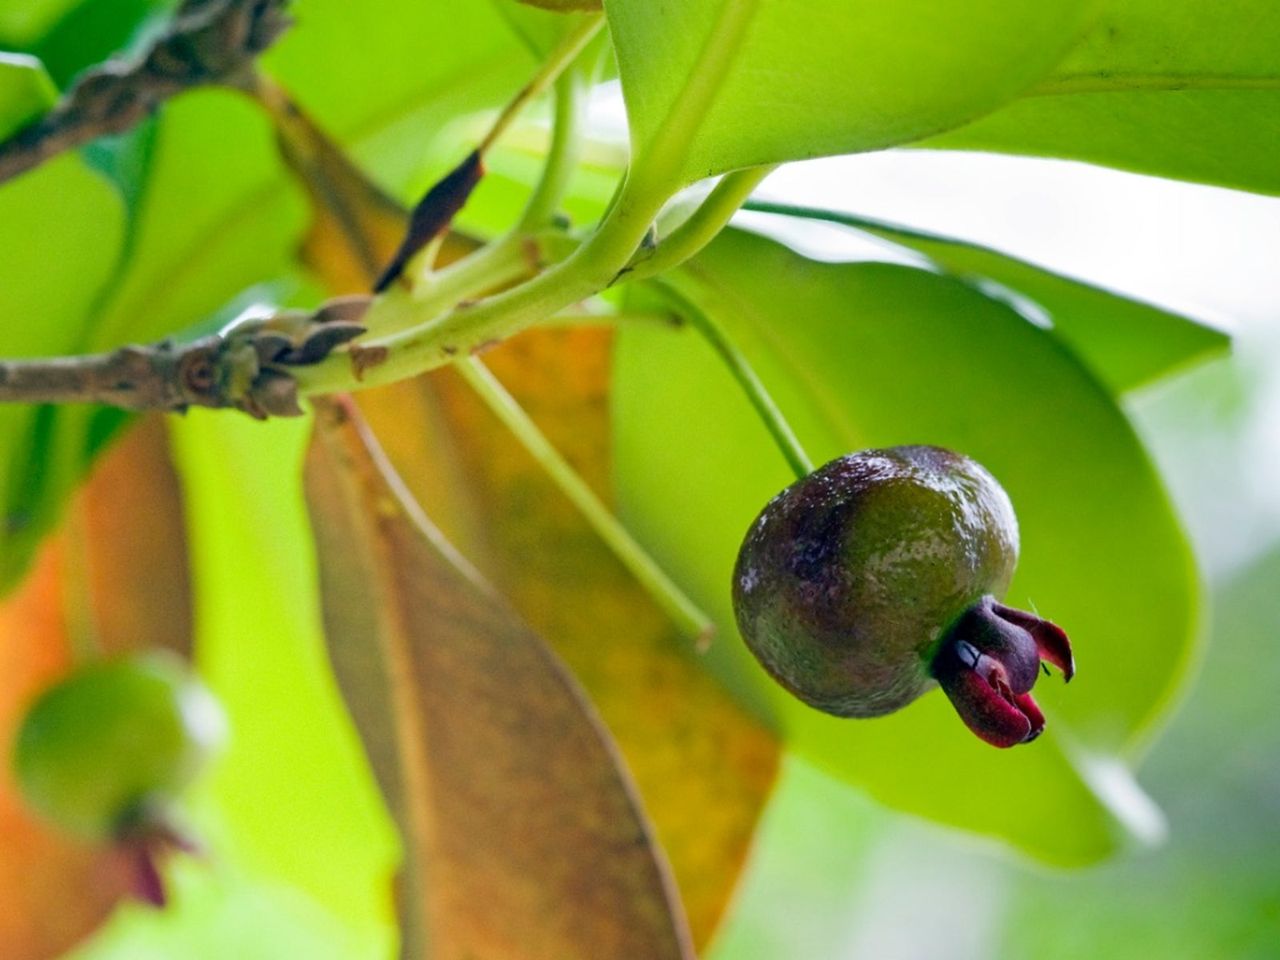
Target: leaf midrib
1103,81
663,156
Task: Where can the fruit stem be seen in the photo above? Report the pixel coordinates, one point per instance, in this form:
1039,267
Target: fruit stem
673,601
733,357
586,317
569,47
519,252
702,226
563,153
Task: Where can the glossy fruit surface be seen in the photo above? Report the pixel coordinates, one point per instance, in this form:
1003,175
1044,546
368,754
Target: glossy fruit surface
862,585
101,750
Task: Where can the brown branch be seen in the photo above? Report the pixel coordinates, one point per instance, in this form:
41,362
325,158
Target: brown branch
209,41
245,368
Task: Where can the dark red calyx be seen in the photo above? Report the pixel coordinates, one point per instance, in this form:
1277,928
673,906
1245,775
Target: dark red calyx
987,664
147,843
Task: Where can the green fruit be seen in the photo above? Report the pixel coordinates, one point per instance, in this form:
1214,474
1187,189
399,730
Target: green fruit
112,745
861,586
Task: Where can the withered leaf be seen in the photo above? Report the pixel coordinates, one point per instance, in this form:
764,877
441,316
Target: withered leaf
129,518
704,766
524,839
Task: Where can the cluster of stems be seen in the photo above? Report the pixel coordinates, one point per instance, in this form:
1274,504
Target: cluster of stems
536,273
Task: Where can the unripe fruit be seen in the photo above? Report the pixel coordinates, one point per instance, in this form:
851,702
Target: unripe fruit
862,585
104,752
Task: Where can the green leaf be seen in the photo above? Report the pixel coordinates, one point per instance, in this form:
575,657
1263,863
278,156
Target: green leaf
217,214
95,30
23,21
1125,342
25,91
714,85
541,25
1180,89
214,215
862,355
61,228
435,62
292,801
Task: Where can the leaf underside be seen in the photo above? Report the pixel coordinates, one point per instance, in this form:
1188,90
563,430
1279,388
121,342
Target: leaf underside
522,834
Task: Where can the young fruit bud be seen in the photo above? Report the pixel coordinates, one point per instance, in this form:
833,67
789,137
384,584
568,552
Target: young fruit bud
106,752
864,584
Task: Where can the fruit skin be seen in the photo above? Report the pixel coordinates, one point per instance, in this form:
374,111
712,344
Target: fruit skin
849,578
106,751
864,584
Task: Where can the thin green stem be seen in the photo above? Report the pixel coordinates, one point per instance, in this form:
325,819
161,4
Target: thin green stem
701,228
437,341
843,219
738,364
677,605
602,318
563,154
570,46
1119,82
498,262
555,177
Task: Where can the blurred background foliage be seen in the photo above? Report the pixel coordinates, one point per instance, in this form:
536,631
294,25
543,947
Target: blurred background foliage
178,224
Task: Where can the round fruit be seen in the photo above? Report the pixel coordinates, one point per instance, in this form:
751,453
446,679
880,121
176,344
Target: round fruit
112,745
862,585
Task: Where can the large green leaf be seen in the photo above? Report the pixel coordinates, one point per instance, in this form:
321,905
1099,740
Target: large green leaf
1181,89
713,85
25,91
869,354
1127,343
22,21
539,29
